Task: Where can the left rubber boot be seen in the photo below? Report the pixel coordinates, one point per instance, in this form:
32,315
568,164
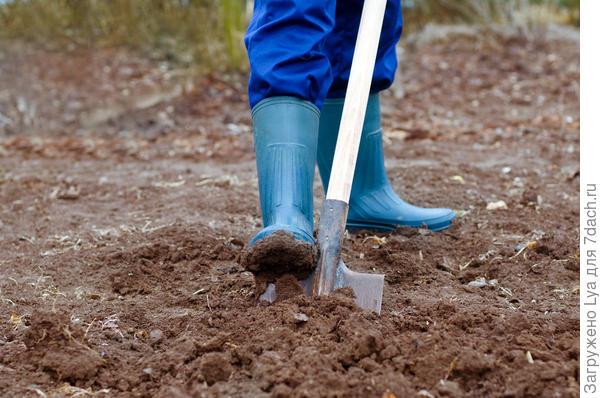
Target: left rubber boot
285,142
373,203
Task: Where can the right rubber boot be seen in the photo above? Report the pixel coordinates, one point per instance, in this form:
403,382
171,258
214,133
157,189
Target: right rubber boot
374,205
285,141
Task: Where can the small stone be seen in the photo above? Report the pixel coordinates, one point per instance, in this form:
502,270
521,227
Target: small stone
479,282
156,335
499,205
518,182
72,193
458,178
300,317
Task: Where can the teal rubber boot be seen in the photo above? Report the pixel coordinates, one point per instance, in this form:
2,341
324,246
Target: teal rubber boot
373,203
285,142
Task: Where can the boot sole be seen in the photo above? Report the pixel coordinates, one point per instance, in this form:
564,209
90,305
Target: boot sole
383,227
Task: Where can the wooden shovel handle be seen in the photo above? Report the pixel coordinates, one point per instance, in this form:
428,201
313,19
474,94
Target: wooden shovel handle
357,96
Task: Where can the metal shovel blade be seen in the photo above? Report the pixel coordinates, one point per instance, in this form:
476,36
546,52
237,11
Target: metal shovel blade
367,288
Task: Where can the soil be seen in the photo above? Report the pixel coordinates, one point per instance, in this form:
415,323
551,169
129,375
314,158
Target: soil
128,192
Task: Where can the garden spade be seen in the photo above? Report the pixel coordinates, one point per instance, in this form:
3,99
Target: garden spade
331,273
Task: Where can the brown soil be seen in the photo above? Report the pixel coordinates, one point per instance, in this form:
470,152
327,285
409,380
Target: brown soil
125,206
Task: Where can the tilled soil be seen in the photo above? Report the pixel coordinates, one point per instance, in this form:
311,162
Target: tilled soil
128,191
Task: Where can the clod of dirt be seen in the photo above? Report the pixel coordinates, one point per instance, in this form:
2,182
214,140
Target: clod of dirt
553,245
529,197
59,349
172,392
471,364
279,253
287,286
281,391
215,367
360,344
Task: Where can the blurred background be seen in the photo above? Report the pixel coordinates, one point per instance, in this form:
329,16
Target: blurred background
73,65
208,33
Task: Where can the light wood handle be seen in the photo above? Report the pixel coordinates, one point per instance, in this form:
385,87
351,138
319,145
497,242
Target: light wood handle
357,96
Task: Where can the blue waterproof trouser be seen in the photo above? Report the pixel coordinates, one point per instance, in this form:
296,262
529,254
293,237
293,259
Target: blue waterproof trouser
303,48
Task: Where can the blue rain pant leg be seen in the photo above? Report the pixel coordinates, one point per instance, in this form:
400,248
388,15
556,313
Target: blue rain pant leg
304,48
285,43
339,45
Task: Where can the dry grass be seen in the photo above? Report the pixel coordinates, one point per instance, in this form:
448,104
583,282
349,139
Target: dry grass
201,32
517,13
208,33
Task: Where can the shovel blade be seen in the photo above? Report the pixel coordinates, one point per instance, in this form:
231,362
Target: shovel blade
367,288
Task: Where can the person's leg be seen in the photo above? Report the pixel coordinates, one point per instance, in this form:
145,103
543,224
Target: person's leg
373,202
290,76
285,43
339,46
